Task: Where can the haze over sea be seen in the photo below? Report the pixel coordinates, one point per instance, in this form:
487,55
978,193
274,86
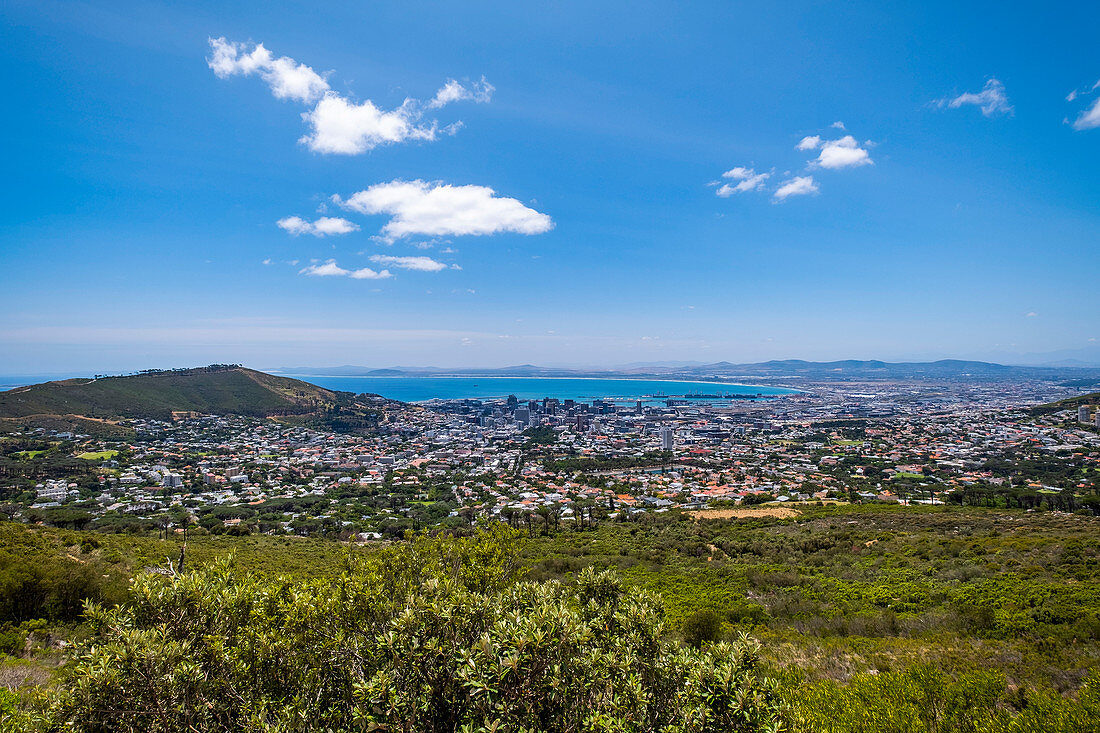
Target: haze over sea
419,389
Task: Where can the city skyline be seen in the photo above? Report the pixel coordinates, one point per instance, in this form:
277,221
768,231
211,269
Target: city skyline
494,185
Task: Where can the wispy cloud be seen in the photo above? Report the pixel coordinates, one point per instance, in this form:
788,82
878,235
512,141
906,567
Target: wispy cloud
325,226
747,180
331,269
810,142
1089,118
991,100
339,125
797,186
419,263
287,78
453,91
437,209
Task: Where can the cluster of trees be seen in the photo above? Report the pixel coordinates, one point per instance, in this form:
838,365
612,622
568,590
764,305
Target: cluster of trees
1016,497
609,463
541,435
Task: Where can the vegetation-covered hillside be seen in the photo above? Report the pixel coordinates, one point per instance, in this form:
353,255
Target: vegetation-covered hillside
432,635
1072,403
94,405
872,619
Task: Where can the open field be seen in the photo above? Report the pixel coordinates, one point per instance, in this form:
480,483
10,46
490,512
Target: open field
772,512
98,455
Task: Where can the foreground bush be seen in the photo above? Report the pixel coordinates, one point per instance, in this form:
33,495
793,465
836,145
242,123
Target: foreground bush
430,636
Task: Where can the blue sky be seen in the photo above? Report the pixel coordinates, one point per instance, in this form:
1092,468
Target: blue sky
550,192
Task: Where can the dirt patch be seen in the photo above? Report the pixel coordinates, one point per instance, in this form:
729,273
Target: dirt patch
775,512
17,673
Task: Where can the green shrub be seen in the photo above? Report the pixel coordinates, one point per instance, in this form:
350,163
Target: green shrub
434,635
702,626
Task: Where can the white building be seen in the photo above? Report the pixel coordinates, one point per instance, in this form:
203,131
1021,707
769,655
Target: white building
668,439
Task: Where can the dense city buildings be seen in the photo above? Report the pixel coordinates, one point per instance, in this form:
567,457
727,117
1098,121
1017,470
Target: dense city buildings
534,463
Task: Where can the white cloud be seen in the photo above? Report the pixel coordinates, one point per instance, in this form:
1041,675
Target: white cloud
452,91
331,269
747,180
340,126
992,99
810,142
842,153
797,186
1078,92
1031,314
287,78
324,226
439,209
336,123
420,263
1090,118
328,269
838,125
365,273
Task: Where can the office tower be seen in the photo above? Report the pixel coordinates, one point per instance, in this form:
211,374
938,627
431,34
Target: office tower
667,439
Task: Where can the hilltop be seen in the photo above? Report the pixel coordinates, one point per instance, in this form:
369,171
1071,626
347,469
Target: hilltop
95,405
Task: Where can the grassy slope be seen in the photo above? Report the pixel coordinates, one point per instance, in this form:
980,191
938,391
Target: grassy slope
231,391
1093,398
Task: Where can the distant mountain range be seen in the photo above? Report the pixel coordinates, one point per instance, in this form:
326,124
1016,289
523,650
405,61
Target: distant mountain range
94,406
849,369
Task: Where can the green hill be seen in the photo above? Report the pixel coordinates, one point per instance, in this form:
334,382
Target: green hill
217,389
1093,398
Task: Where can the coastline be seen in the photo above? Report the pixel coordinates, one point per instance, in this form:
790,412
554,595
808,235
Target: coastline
785,390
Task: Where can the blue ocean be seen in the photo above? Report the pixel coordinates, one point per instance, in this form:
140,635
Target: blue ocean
420,389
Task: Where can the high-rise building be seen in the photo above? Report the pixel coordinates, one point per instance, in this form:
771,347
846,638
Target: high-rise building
1083,413
668,439
523,416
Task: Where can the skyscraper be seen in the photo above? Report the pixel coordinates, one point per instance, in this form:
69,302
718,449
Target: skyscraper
668,439
1083,413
